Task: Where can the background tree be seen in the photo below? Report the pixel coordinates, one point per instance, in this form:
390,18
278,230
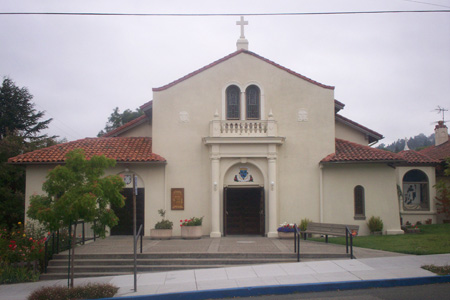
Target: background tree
78,191
418,142
20,127
117,119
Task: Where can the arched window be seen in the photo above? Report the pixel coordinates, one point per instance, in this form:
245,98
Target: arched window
360,213
252,95
233,102
415,191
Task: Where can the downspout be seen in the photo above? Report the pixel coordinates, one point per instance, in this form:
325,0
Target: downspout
321,193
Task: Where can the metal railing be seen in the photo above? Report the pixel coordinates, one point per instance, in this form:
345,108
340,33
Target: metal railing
349,234
55,238
297,242
348,237
135,237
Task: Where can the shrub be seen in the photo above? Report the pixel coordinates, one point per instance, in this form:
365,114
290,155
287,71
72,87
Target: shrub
17,274
18,246
304,224
375,224
89,291
163,224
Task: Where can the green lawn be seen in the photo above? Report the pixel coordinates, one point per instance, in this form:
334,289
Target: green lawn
433,239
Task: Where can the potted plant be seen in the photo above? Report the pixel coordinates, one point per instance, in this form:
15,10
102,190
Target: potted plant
408,228
163,228
375,225
191,228
286,231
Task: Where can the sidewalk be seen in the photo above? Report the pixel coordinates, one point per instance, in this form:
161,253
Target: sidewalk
262,279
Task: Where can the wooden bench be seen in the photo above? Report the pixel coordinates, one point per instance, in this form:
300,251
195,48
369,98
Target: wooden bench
329,229
349,231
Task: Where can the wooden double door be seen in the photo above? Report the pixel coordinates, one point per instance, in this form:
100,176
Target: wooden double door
125,213
244,211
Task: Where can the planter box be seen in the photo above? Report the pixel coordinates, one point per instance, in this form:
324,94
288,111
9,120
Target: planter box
376,233
411,230
160,234
285,235
191,232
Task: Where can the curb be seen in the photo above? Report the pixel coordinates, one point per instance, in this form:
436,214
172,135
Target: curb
290,289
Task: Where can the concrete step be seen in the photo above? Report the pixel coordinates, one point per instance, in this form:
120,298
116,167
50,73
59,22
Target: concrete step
92,265
177,261
179,255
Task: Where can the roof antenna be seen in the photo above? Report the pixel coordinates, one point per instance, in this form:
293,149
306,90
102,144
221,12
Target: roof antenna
441,110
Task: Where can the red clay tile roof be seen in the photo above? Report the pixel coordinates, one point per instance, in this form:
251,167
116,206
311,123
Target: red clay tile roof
440,152
146,105
414,157
373,135
122,149
232,55
130,124
351,152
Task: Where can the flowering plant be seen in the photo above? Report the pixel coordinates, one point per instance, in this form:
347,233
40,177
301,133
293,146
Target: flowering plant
286,227
192,222
18,246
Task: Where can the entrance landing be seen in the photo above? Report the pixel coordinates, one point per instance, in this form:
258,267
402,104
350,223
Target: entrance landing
236,244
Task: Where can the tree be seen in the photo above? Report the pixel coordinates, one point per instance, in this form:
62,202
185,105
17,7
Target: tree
116,119
17,113
78,191
20,128
443,193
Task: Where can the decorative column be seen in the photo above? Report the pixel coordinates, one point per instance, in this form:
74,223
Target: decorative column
273,201
215,197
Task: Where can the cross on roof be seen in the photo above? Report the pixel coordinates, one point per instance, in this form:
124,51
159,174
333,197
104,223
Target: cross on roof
242,23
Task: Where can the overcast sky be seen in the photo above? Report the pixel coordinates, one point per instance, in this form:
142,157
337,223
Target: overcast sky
391,70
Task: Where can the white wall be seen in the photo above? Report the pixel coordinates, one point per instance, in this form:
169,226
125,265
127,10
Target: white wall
188,160
380,191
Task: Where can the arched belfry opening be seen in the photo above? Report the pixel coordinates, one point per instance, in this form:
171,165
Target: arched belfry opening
244,201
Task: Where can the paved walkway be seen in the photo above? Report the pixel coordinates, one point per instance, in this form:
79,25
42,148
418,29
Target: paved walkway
371,268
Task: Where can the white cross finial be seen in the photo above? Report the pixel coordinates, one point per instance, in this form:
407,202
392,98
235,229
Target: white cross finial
242,23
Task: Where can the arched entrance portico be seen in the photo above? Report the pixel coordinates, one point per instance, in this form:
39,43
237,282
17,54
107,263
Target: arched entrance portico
244,210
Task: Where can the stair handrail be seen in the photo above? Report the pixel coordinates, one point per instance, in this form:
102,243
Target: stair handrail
297,241
349,234
135,237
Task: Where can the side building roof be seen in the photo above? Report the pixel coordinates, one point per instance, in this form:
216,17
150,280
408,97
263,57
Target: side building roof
349,152
372,135
121,149
441,152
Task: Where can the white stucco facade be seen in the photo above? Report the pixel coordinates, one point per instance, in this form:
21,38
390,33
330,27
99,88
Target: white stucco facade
279,154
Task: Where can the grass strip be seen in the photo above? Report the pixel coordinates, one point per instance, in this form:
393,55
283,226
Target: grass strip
432,239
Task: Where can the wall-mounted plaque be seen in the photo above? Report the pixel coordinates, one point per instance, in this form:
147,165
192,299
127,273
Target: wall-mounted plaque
177,198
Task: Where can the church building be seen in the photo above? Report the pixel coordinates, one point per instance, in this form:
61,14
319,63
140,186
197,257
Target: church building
249,144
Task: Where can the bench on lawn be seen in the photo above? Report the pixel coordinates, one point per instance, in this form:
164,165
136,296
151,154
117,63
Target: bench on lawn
329,229
332,229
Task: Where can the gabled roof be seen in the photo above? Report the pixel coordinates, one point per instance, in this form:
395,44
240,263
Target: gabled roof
127,126
414,157
351,152
440,152
121,149
338,105
373,136
243,51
